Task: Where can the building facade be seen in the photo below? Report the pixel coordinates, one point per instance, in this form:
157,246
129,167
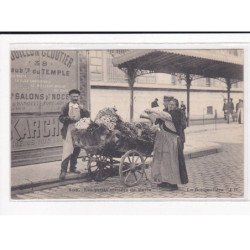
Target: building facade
41,80
109,87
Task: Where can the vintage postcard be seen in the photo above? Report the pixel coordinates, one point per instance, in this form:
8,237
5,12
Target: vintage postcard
127,123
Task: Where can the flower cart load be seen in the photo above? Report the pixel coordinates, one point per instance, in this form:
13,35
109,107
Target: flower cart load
107,138
109,134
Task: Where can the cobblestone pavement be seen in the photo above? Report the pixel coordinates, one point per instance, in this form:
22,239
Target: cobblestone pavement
219,175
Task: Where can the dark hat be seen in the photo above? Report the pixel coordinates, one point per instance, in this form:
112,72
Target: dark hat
74,91
168,98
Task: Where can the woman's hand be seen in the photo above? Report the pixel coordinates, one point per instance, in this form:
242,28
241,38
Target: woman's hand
148,111
155,128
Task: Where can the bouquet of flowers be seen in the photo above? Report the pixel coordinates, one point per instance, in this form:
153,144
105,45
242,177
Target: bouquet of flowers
108,121
128,130
108,117
83,123
110,112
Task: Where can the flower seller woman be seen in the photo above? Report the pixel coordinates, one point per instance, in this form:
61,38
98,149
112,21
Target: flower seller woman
168,165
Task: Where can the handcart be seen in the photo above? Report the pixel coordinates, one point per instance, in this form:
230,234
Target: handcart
128,160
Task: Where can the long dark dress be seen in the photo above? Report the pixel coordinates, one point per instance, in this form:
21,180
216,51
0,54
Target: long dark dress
168,162
179,121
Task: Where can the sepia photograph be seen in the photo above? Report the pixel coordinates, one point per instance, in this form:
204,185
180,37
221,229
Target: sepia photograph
122,124
122,120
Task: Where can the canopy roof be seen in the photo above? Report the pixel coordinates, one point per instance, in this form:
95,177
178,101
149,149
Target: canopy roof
208,63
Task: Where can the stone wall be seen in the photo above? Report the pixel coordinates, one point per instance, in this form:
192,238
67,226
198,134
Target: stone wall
199,100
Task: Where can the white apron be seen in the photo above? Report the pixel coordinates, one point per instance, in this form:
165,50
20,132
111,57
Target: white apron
74,112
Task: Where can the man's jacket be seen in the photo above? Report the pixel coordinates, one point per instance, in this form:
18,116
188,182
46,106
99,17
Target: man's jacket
230,106
66,120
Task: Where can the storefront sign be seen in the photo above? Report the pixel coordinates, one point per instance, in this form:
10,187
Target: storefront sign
35,132
40,80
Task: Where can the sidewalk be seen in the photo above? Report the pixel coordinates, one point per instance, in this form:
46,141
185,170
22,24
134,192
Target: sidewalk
212,127
47,173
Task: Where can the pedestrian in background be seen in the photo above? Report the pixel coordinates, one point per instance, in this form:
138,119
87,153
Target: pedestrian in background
240,112
155,104
225,108
230,109
237,106
183,107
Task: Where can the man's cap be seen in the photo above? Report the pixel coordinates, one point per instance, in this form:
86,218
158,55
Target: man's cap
74,91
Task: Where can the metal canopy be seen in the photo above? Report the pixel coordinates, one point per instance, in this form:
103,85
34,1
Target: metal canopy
206,63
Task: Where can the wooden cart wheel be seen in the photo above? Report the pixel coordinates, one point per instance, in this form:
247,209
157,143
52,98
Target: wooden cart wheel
132,168
100,167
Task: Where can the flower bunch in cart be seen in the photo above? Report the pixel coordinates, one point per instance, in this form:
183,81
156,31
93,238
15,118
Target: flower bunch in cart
132,134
